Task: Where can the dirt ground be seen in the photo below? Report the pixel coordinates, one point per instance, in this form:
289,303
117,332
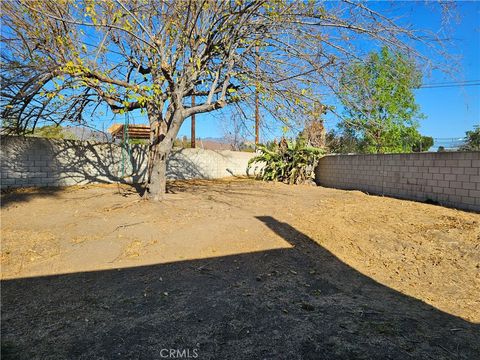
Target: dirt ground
236,269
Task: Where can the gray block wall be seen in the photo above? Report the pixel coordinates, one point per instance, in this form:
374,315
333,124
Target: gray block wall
449,178
27,161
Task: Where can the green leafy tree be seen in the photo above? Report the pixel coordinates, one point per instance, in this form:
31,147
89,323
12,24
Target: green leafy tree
379,102
423,144
472,142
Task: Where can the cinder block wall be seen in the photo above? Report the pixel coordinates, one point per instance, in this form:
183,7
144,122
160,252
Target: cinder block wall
449,178
27,161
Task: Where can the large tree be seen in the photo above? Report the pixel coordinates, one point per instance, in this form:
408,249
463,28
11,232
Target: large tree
380,103
62,58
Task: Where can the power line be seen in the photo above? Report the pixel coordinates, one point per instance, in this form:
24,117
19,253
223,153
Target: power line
458,138
449,85
452,82
449,143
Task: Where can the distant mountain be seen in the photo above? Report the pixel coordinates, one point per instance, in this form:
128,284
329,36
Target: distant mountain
210,144
68,132
214,139
86,133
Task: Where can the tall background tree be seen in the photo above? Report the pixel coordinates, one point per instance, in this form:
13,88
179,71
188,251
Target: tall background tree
379,102
314,132
68,59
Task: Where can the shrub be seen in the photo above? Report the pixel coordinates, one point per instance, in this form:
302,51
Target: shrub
288,162
472,142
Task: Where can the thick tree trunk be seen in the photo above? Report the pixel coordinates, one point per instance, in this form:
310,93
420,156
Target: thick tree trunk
162,134
157,165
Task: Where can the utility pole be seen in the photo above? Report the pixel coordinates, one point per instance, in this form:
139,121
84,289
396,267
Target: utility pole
257,103
192,135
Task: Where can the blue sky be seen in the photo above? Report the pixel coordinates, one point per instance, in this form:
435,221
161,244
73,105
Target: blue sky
450,111
453,110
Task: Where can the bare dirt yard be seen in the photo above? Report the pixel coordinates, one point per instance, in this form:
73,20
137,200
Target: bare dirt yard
236,269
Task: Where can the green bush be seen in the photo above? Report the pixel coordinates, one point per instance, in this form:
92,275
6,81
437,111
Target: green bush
288,162
472,142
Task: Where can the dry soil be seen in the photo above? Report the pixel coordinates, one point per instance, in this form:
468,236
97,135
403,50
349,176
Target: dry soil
237,269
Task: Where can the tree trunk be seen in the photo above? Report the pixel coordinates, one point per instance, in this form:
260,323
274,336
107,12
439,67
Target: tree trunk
161,144
157,172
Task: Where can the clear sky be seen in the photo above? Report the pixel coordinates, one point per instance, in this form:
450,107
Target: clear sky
450,111
453,110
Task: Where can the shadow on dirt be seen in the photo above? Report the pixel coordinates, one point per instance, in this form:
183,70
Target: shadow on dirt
296,303
12,196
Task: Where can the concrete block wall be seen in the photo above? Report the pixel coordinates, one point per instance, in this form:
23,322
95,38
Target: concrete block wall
27,161
207,164
449,178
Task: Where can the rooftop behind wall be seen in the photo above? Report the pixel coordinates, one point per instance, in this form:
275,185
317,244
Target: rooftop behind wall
448,178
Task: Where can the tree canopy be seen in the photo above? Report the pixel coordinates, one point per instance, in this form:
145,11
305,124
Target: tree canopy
423,144
62,59
379,101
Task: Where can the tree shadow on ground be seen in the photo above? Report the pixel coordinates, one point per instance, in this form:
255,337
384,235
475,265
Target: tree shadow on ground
295,303
12,196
